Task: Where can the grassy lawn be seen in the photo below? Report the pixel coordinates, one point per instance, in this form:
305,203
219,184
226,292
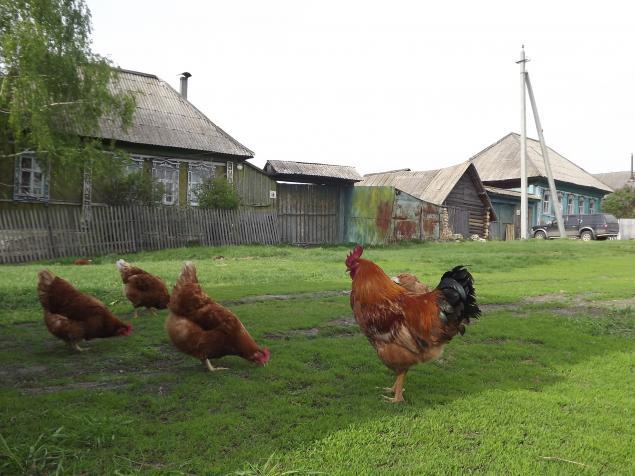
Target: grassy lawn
543,383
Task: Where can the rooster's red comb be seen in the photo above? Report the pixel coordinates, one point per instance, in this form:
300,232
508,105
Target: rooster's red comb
354,255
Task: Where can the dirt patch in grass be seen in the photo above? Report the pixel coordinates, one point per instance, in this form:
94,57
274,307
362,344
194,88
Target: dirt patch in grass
284,297
337,327
73,386
309,332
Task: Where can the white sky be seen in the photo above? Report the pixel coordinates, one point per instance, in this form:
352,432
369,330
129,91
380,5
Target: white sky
385,85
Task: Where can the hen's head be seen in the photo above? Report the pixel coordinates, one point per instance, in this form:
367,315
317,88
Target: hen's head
352,262
124,330
260,357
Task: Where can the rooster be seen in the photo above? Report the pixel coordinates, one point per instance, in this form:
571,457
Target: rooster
73,316
142,288
405,327
199,326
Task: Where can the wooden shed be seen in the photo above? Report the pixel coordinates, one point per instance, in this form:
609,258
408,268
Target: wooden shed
458,189
312,209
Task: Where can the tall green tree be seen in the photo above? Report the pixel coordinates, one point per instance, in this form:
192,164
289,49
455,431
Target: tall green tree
53,88
620,203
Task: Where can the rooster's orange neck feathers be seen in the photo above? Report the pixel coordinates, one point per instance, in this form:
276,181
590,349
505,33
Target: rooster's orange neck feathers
372,285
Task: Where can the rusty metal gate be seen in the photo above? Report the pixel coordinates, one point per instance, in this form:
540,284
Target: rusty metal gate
309,214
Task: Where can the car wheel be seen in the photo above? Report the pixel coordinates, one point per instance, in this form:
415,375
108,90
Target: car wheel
540,235
586,235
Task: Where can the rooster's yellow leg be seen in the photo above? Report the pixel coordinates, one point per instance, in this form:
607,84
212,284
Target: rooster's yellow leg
397,389
211,368
135,313
75,345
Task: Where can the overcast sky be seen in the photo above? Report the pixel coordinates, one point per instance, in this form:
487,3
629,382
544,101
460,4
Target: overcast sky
385,85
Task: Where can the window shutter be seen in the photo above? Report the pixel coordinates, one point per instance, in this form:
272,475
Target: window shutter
230,172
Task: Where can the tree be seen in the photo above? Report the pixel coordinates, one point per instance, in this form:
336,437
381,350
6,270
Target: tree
621,203
119,186
217,193
53,88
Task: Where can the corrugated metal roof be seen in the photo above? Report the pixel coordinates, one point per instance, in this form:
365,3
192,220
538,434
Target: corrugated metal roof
501,161
511,193
615,180
164,118
432,186
291,169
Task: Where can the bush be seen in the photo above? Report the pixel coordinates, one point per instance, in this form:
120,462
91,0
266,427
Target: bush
120,187
217,193
621,203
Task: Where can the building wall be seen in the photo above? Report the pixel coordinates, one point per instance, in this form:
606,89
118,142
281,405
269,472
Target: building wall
464,195
254,187
383,214
65,184
540,186
508,212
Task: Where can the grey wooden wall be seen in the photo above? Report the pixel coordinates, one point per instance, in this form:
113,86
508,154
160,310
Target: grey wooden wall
310,214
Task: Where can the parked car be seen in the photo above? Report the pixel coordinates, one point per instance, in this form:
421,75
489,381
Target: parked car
586,227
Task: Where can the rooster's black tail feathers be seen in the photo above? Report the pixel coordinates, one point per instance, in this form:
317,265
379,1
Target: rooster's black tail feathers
457,288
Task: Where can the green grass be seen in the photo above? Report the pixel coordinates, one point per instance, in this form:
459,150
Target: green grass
538,385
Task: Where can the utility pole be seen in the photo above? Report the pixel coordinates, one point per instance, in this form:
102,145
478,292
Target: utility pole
545,155
523,147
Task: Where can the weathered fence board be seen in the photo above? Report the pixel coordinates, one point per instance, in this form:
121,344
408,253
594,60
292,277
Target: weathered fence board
309,214
56,231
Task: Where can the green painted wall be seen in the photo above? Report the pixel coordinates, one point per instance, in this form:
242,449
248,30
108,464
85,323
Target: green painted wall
65,185
370,219
183,173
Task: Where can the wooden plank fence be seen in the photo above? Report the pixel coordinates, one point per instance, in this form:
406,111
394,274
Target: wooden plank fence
57,231
309,214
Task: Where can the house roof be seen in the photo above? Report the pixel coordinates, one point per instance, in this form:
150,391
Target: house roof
294,171
615,180
510,193
164,118
432,186
501,161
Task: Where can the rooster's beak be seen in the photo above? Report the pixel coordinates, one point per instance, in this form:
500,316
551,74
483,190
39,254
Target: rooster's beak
396,279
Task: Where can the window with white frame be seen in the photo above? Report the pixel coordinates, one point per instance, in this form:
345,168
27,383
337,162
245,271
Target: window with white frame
166,172
196,175
591,206
135,165
31,181
546,203
570,205
581,205
560,200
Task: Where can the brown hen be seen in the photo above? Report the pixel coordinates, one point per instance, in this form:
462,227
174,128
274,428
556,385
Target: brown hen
142,288
199,326
73,316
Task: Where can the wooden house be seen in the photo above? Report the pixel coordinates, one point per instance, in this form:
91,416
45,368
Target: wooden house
169,138
457,189
312,200
579,192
